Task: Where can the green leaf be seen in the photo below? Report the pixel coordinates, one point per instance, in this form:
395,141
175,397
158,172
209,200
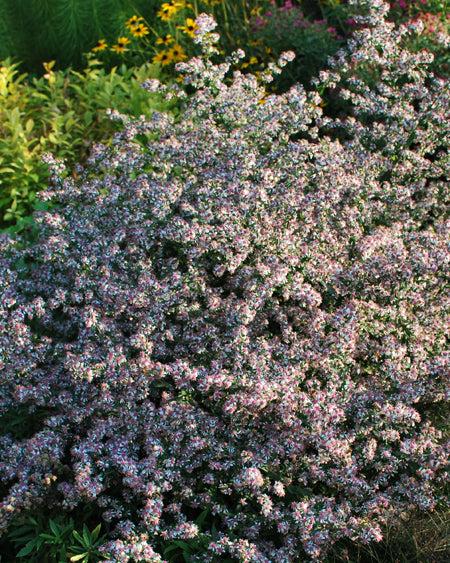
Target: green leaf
78,557
96,532
202,517
54,527
46,536
184,545
170,549
27,549
21,532
86,535
29,125
77,536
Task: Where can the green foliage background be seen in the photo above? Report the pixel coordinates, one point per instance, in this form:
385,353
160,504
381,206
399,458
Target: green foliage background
34,31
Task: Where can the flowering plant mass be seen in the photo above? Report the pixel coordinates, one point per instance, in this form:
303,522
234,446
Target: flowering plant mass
241,313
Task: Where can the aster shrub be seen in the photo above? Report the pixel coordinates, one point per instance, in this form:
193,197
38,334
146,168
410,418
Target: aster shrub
239,315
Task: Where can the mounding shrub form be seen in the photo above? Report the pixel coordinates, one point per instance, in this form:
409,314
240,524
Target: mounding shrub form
242,311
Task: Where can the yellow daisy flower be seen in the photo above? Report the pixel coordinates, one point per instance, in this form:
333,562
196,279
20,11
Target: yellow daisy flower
120,47
166,40
133,21
163,58
167,12
189,27
123,41
139,30
178,54
101,46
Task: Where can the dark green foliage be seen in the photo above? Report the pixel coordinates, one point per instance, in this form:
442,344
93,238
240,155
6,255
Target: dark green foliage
312,46
41,30
175,551
59,539
54,540
22,422
5,35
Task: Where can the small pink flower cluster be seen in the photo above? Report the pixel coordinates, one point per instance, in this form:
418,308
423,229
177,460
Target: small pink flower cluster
242,310
432,24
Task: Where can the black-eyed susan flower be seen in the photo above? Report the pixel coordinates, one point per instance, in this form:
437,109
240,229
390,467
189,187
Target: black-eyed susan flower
178,54
119,49
121,46
163,58
134,21
166,40
167,11
189,27
101,46
139,30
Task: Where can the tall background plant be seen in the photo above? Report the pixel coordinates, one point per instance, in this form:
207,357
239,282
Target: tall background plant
40,30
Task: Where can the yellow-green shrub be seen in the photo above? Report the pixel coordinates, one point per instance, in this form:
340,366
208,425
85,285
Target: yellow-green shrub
62,112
